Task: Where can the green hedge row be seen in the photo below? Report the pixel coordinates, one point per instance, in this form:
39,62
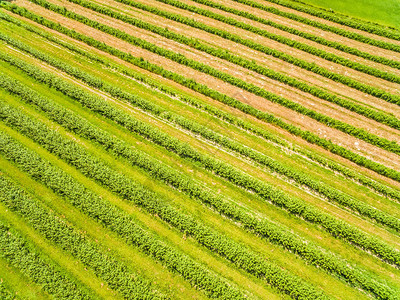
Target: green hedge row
190,83
128,189
6,293
324,189
115,219
306,35
22,255
383,143
269,230
336,30
54,228
295,206
392,33
292,43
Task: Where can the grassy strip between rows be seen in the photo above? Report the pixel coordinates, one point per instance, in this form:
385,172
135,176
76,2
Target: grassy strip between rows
115,219
274,233
222,33
319,25
6,293
53,228
189,83
290,42
21,254
324,189
223,54
360,24
267,192
128,189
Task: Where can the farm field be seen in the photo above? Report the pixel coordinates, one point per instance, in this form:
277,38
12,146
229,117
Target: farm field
196,149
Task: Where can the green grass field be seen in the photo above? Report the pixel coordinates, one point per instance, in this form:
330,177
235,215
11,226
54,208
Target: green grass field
386,12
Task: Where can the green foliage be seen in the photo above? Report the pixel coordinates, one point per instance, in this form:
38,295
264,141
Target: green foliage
113,218
295,206
269,230
21,254
306,135
292,43
324,189
6,293
128,189
54,228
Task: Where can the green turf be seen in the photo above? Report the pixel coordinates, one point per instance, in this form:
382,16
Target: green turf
385,12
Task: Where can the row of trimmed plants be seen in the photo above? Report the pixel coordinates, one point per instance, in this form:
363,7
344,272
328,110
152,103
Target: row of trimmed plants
295,206
26,258
279,38
157,170
224,54
330,193
115,219
53,227
232,102
240,256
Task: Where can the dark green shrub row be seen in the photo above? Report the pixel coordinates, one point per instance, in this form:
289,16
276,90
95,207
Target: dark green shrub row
374,28
190,83
281,39
383,143
295,206
54,228
336,30
21,254
269,230
306,35
120,184
115,219
324,189
6,293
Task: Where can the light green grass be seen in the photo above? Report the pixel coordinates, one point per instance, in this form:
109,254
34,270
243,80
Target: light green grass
385,12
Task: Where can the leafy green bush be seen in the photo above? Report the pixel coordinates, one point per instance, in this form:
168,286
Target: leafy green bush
21,254
54,228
